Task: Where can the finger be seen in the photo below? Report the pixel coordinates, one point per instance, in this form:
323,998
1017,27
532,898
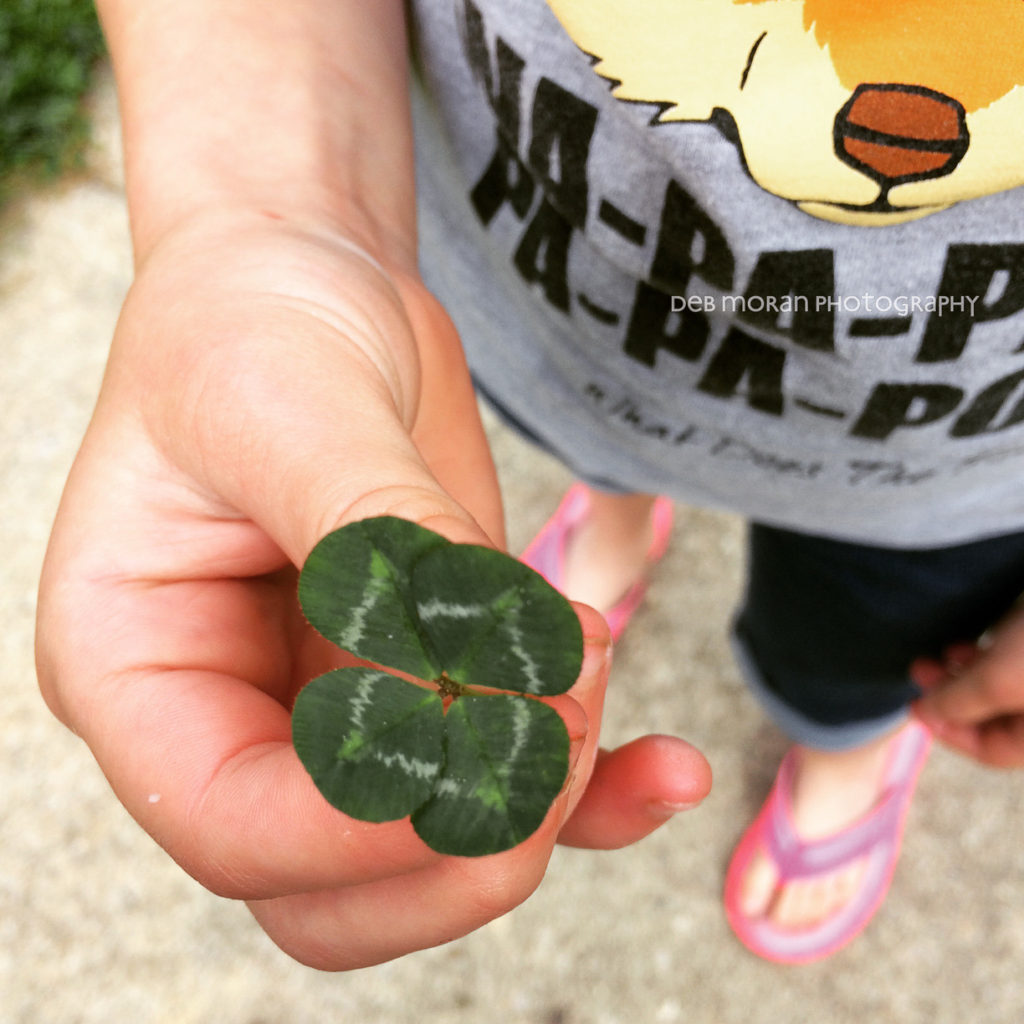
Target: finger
1001,742
927,673
371,923
958,657
635,789
582,707
998,743
981,692
667,770
466,468
963,738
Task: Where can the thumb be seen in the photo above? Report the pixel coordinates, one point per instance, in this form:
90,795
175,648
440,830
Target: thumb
635,789
323,429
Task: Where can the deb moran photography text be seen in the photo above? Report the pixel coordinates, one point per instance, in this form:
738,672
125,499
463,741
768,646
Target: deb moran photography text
903,305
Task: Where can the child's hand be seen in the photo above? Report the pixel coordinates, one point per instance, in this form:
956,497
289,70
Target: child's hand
975,697
266,385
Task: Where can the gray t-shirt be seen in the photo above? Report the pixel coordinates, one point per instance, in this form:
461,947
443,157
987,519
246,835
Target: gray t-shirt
737,256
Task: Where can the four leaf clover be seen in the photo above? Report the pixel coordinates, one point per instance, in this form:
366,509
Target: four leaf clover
467,749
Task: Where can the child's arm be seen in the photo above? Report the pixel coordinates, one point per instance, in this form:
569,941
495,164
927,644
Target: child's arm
268,382
298,109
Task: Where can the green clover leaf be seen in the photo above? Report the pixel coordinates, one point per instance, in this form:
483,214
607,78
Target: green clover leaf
476,770
505,762
356,589
372,743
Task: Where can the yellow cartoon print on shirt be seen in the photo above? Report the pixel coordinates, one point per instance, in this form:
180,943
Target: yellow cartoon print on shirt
859,111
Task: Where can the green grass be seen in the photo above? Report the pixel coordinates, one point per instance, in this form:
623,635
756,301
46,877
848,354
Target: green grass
48,49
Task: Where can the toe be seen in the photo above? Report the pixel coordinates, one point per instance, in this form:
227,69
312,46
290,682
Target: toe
790,909
758,887
809,902
844,887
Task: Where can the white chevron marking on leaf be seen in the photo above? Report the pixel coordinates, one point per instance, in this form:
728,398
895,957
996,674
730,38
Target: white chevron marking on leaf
447,787
520,729
362,699
410,765
356,626
530,667
438,609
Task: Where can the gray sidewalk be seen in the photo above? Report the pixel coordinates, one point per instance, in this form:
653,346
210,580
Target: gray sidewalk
98,925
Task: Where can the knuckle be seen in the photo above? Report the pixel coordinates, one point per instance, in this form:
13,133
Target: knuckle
497,892
225,875
417,501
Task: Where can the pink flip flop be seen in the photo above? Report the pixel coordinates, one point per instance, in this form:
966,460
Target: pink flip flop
546,552
877,836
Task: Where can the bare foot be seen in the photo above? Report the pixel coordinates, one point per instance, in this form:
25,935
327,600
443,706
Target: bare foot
831,791
607,553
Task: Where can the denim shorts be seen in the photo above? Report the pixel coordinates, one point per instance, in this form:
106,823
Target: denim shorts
828,629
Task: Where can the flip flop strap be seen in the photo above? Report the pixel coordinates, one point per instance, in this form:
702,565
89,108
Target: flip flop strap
547,552
795,857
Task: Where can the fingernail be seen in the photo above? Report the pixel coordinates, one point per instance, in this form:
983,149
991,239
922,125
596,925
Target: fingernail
577,744
667,809
596,655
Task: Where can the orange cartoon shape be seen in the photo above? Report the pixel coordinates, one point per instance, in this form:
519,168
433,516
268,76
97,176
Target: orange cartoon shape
859,111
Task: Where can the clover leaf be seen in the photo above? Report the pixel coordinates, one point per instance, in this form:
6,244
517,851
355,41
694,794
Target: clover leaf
468,752
372,742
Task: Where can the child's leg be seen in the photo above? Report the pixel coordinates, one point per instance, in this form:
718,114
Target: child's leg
607,554
827,633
